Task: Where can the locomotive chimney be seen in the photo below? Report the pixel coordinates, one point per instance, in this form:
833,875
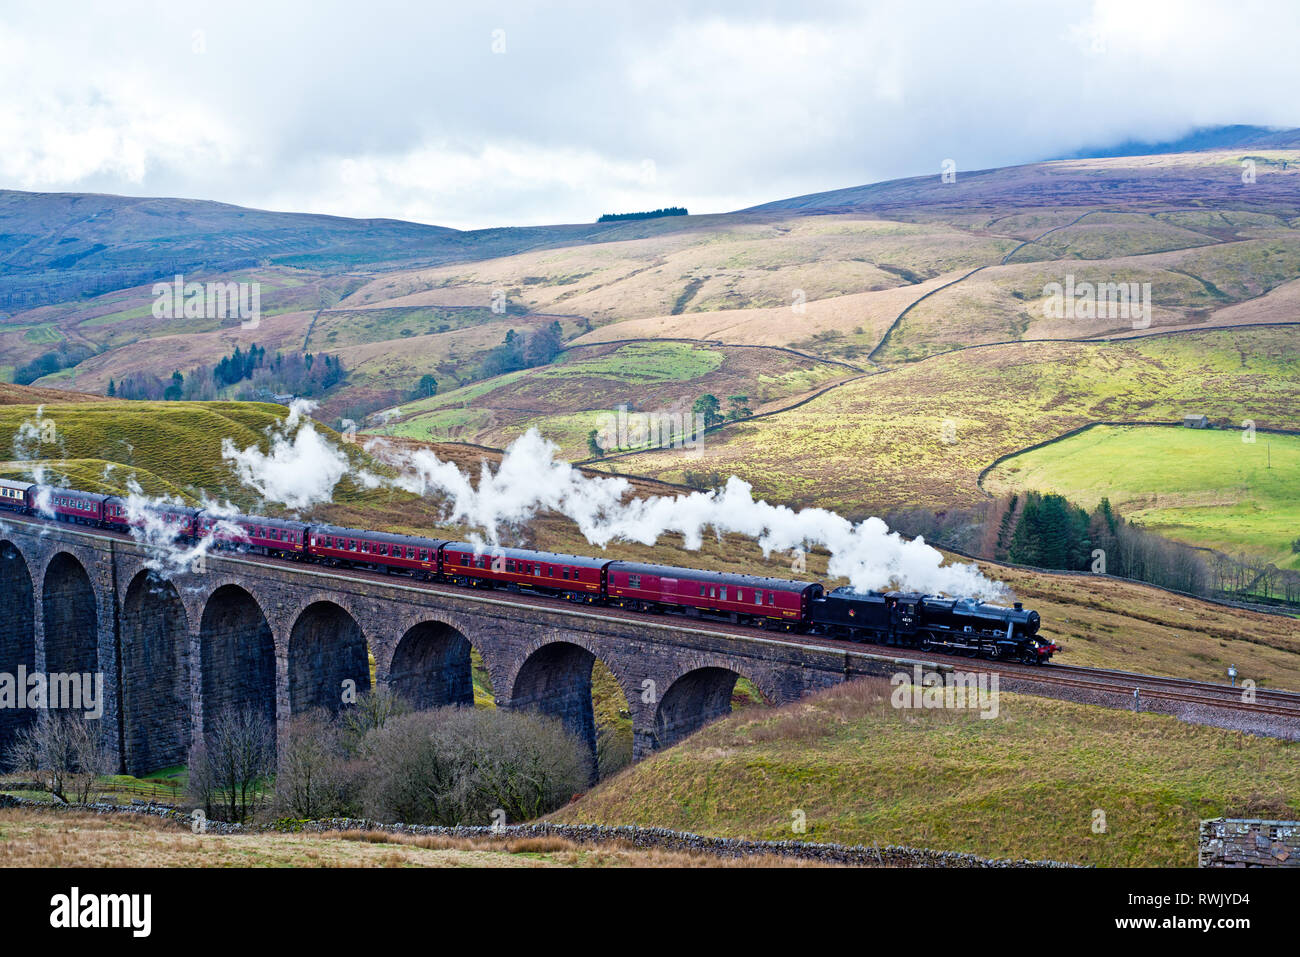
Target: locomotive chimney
1020,606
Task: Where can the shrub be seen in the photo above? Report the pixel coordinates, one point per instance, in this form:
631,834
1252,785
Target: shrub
460,765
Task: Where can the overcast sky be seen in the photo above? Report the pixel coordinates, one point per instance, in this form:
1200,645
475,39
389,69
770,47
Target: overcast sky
473,114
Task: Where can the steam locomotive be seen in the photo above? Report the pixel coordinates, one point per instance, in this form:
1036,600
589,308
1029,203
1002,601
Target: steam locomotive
904,619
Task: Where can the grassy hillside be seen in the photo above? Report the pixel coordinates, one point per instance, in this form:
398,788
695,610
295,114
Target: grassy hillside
173,446
1027,783
1203,487
920,434
732,262
567,399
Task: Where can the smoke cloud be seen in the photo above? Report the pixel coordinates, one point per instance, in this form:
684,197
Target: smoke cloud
302,466
164,548
530,480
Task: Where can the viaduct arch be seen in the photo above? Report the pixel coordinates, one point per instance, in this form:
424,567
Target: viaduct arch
177,647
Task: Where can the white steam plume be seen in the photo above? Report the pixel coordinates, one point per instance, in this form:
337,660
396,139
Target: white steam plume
302,466
163,546
28,438
530,480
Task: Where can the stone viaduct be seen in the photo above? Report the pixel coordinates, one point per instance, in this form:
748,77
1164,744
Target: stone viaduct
177,648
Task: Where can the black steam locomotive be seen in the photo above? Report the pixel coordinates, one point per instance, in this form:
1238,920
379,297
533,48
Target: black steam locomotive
957,626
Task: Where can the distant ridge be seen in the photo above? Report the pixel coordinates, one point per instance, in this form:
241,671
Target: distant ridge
1067,182
56,247
1203,138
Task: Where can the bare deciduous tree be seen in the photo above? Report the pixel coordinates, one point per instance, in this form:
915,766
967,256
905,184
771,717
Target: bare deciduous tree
66,750
314,779
227,767
373,710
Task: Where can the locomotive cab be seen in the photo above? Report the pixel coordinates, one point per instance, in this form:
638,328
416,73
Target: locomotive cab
905,612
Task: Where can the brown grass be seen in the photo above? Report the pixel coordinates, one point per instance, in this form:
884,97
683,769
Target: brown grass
573,853
38,838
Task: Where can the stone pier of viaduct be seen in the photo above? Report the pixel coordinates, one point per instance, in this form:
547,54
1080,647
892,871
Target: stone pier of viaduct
177,648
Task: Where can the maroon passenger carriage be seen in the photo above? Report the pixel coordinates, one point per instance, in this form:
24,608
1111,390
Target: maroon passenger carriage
16,495
68,504
356,547
253,533
575,577
180,519
750,599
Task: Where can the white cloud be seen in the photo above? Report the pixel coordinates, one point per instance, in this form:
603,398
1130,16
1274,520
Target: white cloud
406,112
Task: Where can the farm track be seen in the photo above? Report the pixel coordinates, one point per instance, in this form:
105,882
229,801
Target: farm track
1274,713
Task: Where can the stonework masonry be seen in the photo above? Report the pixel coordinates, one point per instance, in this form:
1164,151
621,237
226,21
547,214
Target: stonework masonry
1237,842
179,646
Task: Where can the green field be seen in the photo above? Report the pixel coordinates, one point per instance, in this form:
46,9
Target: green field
879,442
1027,783
1207,488
585,386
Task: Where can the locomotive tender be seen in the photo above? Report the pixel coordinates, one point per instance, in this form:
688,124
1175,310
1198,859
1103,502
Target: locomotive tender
905,619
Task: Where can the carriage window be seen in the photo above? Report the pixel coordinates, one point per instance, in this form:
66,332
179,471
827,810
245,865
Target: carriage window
510,566
634,581
424,554
565,572
758,597
771,598
701,591
723,592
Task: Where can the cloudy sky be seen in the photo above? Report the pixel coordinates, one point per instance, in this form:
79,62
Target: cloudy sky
482,114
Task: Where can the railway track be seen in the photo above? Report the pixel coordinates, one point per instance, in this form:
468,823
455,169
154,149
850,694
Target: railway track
1105,684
